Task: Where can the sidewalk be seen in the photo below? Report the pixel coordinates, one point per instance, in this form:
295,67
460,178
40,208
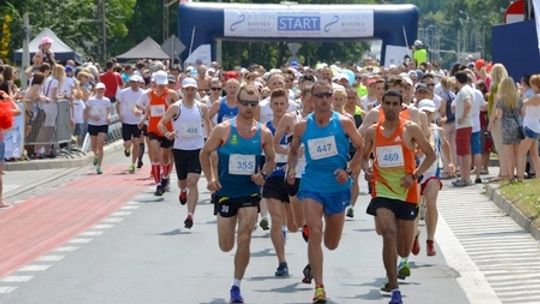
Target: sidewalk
78,161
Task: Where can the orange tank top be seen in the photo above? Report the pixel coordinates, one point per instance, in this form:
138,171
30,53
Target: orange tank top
158,106
404,114
393,160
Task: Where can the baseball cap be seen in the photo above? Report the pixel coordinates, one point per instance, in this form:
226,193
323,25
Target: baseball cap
189,83
100,85
421,87
46,39
135,78
161,78
427,105
171,78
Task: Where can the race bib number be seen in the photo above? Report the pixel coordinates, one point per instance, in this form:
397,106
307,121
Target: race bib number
241,164
390,156
190,130
157,110
281,158
320,148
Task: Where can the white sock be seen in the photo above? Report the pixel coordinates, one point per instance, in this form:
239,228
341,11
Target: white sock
190,214
403,259
183,190
236,282
394,290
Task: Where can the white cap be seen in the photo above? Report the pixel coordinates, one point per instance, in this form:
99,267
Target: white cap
135,78
161,78
427,105
189,83
100,85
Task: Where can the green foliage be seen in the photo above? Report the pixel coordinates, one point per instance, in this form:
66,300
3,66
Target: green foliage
74,21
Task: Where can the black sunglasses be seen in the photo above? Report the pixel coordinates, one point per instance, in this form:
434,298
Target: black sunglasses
323,94
215,89
246,102
430,84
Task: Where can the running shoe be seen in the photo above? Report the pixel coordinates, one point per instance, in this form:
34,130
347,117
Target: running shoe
350,212
159,191
282,270
396,297
131,168
236,297
264,223
386,286
139,164
95,161
188,223
478,180
183,197
416,245
430,248
305,232
404,270
320,295
308,276
99,170
127,152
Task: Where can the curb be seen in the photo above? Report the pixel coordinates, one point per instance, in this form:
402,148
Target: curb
509,209
78,162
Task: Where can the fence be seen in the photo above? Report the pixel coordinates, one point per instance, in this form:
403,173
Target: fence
48,135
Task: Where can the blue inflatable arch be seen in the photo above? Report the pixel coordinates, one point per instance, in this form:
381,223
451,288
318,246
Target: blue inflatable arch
203,23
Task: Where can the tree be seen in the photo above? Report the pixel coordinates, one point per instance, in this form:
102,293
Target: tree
75,21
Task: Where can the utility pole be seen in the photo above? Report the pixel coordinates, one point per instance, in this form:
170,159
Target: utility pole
103,28
165,21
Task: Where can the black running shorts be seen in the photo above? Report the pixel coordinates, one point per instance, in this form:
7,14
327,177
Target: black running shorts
228,207
274,187
402,210
130,131
186,161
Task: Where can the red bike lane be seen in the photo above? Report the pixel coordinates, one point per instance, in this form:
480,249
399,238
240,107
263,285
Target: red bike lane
40,224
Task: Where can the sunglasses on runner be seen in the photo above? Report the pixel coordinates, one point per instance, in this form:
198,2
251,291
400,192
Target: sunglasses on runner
323,94
246,102
215,89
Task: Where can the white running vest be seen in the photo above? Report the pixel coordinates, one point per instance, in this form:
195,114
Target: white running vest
188,127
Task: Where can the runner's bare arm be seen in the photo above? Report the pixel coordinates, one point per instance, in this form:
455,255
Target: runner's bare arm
214,141
423,121
214,109
165,119
206,118
357,141
269,164
419,138
172,97
371,118
366,151
292,156
282,129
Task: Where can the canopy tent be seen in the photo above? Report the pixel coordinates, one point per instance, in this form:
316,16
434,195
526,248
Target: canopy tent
62,52
173,47
147,49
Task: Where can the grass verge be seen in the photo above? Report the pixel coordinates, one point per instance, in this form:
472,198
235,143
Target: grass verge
525,196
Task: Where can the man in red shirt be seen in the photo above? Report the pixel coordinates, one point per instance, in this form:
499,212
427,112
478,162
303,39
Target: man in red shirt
112,80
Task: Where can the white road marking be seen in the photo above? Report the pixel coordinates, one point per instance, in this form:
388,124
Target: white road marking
36,267
113,220
103,226
66,248
91,233
7,289
50,258
12,279
121,213
80,241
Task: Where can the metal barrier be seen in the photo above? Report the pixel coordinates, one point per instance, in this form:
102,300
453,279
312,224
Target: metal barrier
56,137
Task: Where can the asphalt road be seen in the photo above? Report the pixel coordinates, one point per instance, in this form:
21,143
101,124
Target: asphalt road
134,249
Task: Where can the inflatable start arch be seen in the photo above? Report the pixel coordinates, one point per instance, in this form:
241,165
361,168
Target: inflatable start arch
204,23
